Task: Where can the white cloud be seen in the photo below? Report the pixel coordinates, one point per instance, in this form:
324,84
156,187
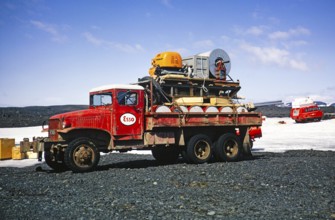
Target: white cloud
204,44
273,55
113,45
297,43
298,65
284,35
266,54
50,29
225,38
90,38
279,35
255,30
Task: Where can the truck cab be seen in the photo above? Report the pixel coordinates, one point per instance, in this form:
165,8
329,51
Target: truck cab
125,107
115,113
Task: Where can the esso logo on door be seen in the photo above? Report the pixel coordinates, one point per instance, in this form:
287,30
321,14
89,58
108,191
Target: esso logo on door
128,119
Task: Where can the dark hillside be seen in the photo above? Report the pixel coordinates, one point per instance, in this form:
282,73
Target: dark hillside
32,115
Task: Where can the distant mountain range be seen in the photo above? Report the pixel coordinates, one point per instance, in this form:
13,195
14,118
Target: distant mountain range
32,115
35,115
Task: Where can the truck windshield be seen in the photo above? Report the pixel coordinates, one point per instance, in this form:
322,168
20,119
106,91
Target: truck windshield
101,99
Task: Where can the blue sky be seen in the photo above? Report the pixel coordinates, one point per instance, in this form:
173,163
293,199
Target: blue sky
54,52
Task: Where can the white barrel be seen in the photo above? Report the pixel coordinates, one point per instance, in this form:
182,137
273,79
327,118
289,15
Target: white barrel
163,108
180,108
196,109
226,109
183,108
213,56
211,109
241,109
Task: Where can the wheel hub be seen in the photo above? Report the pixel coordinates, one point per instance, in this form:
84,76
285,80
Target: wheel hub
202,149
230,148
83,156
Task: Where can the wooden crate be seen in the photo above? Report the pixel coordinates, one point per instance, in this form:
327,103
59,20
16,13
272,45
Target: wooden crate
25,145
6,145
17,154
31,155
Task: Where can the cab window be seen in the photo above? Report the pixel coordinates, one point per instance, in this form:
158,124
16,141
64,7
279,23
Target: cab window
127,98
101,99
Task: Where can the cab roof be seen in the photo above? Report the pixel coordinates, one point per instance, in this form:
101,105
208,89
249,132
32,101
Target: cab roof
117,86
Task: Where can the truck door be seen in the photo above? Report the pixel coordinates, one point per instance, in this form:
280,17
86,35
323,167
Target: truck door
128,114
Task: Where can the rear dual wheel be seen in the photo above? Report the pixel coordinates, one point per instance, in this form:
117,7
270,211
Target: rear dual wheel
198,149
228,148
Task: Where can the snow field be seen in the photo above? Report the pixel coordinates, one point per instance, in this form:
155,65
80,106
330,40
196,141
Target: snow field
277,137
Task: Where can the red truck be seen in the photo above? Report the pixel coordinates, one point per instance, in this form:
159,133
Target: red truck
184,108
305,110
122,118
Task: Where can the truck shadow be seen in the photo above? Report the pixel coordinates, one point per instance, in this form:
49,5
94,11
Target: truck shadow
146,163
135,164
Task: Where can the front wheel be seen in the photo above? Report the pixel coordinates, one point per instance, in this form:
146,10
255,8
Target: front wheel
81,155
228,148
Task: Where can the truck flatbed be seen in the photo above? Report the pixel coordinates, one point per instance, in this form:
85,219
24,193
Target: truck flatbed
201,119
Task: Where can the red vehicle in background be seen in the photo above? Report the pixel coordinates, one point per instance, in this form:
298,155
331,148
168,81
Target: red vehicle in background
305,110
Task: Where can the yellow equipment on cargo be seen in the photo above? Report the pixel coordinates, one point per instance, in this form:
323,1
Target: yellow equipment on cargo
168,61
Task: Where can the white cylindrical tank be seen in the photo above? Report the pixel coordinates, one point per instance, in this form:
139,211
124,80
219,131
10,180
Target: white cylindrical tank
196,109
211,109
226,109
180,108
163,108
241,109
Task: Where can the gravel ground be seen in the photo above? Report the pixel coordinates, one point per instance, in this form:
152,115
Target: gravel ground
291,185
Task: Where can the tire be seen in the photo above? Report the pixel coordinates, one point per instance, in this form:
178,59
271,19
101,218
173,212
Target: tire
81,155
51,161
228,148
165,155
199,149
